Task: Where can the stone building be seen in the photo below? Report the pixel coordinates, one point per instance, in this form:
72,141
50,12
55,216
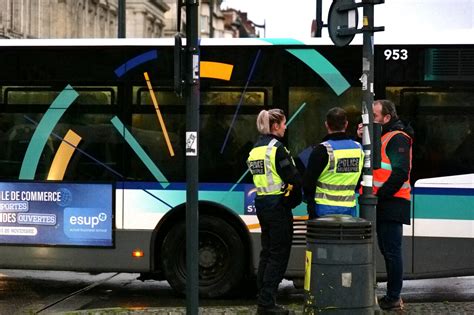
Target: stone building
80,18
146,18
99,19
211,20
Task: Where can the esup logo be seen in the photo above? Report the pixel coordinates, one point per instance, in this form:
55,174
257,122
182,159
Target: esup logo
87,223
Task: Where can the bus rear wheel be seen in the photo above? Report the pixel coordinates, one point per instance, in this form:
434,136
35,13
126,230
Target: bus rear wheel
221,257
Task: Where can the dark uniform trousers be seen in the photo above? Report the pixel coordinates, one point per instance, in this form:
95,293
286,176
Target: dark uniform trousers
389,237
276,222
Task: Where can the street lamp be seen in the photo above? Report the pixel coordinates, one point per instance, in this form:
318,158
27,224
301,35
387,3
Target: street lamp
243,32
261,26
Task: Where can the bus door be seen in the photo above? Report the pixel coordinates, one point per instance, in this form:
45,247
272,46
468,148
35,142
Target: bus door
443,177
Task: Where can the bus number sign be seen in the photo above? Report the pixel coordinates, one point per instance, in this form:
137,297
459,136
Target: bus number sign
395,54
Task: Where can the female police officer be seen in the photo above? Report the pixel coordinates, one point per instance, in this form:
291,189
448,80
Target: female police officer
278,185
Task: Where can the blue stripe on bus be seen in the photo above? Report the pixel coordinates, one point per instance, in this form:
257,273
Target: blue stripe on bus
179,186
444,191
43,131
158,200
135,61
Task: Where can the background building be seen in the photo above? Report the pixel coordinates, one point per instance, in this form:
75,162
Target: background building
145,18
99,19
79,18
213,22
237,23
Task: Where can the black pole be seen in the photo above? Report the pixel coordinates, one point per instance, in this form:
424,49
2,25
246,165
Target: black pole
192,165
211,18
319,20
121,19
368,201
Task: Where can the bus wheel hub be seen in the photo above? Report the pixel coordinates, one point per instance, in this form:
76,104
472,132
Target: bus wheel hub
207,257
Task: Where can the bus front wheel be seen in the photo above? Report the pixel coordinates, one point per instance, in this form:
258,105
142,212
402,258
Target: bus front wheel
221,257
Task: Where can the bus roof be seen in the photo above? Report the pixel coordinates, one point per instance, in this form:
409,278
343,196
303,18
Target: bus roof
465,36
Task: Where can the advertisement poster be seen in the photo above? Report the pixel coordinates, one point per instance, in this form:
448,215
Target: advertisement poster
56,214
250,194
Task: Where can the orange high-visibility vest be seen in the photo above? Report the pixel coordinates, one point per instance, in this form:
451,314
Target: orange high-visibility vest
382,174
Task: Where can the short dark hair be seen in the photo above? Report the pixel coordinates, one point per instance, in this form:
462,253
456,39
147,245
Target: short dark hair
388,108
336,119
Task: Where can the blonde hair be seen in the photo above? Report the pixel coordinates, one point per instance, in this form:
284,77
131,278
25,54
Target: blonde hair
266,119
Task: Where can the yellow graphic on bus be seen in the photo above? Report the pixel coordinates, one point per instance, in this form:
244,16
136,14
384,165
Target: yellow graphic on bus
307,270
158,113
215,70
63,155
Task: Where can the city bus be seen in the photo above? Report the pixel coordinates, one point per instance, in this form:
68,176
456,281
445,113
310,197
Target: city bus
93,145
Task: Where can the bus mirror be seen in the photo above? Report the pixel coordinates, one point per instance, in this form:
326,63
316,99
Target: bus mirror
178,64
377,145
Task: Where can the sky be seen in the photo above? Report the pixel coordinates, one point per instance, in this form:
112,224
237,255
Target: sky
285,18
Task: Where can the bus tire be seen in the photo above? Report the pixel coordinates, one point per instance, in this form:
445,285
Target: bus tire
222,258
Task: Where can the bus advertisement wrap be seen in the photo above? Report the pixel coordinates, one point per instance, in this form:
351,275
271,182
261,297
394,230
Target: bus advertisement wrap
56,214
98,122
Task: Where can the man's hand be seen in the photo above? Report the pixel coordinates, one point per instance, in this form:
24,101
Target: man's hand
360,130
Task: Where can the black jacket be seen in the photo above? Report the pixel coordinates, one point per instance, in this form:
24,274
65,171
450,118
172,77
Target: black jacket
286,170
390,208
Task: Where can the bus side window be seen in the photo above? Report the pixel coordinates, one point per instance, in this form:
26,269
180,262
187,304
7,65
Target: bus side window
463,155
443,132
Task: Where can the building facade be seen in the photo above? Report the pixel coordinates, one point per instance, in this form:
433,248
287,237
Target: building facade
99,19
145,18
210,23
79,18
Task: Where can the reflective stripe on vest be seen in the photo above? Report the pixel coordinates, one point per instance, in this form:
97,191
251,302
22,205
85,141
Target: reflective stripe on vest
382,174
261,163
337,182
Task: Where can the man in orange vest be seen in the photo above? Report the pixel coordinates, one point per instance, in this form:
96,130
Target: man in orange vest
391,184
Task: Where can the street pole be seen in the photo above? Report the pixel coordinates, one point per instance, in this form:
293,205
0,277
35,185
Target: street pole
211,18
192,162
367,200
319,21
367,211
342,24
121,19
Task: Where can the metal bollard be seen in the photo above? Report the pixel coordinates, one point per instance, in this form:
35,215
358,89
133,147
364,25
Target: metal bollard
339,268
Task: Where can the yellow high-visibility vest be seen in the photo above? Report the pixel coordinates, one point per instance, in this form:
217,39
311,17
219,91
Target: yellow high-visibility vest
261,163
337,183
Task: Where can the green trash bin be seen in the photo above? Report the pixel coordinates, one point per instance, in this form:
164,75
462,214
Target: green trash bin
339,275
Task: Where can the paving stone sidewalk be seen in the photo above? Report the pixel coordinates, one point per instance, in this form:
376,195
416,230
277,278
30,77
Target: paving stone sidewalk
451,308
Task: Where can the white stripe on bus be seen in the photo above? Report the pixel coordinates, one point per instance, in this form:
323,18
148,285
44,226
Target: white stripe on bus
441,228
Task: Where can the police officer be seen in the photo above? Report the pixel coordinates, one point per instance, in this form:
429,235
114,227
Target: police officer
278,185
333,170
